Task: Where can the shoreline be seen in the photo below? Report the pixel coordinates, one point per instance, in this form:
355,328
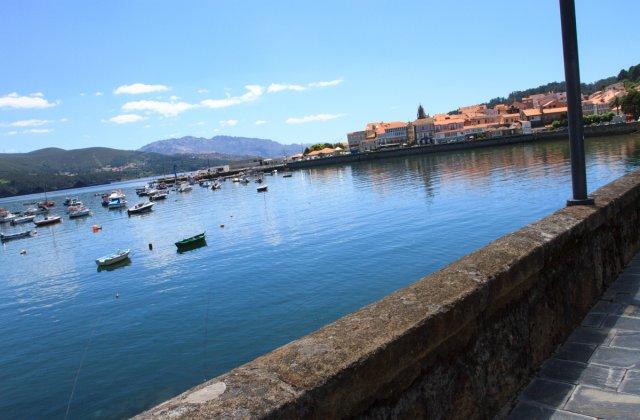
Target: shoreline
589,131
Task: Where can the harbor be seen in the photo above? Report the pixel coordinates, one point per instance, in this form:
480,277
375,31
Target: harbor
134,333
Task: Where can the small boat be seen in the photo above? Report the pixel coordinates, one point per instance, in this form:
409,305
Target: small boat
287,175
262,188
48,220
4,237
79,212
191,243
116,203
159,195
32,211
6,217
275,171
204,184
184,187
244,181
143,191
46,204
140,208
71,201
258,180
23,219
216,186
120,255
235,179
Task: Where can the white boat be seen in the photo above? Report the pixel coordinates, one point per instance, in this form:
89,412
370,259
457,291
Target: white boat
7,217
112,259
48,220
216,186
79,212
262,188
184,187
236,179
4,237
23,219
140,208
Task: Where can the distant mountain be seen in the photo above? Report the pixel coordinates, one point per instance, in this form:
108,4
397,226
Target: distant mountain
25,173
227,145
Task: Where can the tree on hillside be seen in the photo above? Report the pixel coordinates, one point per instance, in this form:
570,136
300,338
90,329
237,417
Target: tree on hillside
616,104
421,113
631,103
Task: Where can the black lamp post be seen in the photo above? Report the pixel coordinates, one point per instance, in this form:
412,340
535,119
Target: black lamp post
574,103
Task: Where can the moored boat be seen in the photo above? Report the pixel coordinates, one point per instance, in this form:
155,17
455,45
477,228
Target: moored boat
184,187
262,188
192,242
23,219
4,237
48,220
7,216
216,186
158,195
78,212
287,175
120,255
140,208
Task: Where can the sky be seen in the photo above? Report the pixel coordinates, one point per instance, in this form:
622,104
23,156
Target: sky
124,73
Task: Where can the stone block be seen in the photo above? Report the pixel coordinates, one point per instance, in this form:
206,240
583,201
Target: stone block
529,411
617,356
550,393
627,339
622,323
577,352
582,373
631,383
604,404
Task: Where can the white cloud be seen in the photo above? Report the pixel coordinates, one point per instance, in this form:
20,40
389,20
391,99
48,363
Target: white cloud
260,122
329,83
98,93
279,87
313,118
29,123
35,100
166,109
229,123
199,123
138,88
203,91
64,120
38,130
12,133
253,93
126,118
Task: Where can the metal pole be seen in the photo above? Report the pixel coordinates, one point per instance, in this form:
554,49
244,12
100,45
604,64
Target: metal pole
574,103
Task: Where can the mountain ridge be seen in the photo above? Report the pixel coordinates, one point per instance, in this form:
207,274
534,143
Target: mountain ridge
226,145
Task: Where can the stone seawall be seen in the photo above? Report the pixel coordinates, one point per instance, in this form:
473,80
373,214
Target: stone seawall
589,131
458,343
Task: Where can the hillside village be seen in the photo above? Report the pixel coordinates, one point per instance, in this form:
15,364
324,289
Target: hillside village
535,112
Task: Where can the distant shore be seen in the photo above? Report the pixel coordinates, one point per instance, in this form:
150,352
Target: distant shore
589,131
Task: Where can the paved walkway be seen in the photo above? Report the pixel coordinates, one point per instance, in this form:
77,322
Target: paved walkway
596,373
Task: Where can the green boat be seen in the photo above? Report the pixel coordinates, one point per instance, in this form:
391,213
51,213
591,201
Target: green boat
191,243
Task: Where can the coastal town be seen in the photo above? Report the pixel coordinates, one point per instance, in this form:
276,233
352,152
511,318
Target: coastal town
534,113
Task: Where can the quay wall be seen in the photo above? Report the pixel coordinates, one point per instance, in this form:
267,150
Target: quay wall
589,131
459,343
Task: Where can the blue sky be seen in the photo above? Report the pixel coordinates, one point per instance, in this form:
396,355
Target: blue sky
289,71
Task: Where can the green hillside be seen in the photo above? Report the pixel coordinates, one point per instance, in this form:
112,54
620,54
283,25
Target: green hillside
25,173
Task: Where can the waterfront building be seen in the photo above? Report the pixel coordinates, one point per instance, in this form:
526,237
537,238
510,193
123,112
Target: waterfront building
424,129
554,114
533,115
444,122
539,99
601,102
354,140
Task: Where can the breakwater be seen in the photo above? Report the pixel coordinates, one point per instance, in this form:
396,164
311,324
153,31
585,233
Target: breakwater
589,131
458,343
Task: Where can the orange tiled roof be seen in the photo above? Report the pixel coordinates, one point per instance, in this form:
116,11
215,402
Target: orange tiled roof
555,110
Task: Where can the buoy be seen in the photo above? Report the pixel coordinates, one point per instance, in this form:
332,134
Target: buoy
117,295
23,252
96,228
150,247
221,226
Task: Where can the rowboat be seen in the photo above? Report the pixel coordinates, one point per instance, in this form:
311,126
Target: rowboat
4,237
262,188
48,220
114,258
79,212
140,208
23,219
191,243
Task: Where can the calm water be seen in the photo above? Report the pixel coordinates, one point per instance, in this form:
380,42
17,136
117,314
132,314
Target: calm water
315,247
